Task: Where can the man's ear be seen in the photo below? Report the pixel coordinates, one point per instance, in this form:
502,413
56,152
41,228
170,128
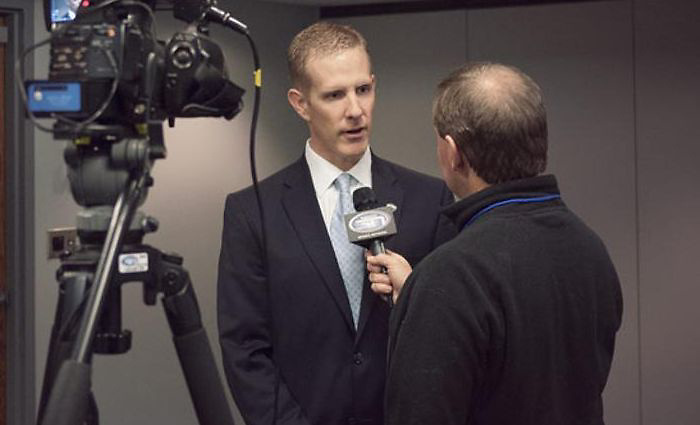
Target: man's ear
298,101
454,154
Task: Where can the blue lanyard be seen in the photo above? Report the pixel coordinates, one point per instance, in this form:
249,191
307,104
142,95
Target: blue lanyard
510,201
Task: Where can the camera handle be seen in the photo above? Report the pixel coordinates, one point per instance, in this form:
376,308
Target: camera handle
90,292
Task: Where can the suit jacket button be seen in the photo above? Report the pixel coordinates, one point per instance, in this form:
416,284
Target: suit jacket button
357,358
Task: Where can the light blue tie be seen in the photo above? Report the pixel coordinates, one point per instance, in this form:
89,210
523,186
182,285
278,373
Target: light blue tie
350,257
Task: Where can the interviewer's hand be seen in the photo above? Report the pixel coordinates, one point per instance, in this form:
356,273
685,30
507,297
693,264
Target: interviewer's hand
391,282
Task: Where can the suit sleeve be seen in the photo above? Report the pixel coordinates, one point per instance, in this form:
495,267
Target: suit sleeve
245,324
438,346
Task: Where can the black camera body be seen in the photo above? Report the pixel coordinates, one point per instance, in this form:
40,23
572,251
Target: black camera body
95,51
112,83
107,64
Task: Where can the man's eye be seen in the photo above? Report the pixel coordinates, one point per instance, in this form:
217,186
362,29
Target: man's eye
364,89
334,95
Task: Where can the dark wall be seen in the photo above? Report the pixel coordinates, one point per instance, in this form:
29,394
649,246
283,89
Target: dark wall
668,149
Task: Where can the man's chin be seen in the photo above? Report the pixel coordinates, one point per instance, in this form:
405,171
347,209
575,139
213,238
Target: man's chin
355,147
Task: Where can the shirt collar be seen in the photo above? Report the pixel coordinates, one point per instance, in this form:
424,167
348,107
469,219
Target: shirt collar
323,173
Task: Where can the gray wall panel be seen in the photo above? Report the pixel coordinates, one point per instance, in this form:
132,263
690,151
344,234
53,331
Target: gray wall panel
668,107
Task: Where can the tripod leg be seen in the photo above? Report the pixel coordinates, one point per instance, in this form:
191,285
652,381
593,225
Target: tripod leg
72,290
68,397
193,349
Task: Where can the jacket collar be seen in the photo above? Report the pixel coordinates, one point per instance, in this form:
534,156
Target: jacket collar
463,211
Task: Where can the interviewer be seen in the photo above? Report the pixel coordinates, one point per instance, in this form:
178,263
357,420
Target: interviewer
514,320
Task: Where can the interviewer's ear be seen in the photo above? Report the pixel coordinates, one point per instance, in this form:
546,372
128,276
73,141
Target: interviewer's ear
298,101
454,154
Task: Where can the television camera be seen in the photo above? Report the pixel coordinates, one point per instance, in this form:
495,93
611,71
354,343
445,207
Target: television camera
111,85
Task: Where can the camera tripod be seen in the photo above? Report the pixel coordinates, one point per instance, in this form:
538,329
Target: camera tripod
111,180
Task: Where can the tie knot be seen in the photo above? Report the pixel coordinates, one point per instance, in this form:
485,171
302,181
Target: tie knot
342,182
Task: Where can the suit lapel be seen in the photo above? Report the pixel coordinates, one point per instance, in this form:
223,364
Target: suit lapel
387,190
301,206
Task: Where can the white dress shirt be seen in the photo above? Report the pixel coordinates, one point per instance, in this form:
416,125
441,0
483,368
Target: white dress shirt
323,174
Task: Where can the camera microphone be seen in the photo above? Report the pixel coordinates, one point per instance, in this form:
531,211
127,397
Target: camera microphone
214,14
194,10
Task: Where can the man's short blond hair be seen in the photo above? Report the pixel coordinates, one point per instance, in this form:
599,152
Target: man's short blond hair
318,40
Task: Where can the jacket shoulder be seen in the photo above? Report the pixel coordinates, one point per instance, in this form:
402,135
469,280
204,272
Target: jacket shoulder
269,187
409,176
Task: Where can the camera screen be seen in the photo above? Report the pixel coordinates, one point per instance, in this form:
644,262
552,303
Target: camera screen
64,10
47,97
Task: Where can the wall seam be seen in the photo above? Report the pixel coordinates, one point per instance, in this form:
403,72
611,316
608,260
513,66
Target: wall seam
636,208
466,35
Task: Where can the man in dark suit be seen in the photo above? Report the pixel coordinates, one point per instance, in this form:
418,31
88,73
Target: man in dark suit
303,339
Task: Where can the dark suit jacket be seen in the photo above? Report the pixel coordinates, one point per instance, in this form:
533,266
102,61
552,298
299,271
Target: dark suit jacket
290,350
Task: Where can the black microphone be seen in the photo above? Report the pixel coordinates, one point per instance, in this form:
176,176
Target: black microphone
214,14
194,10
372,224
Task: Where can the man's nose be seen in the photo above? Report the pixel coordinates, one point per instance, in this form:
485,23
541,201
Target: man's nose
354,107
